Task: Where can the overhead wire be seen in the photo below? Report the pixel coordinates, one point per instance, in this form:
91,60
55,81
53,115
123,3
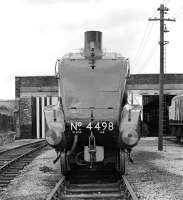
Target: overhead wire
178,13
166,2
149,57
144,41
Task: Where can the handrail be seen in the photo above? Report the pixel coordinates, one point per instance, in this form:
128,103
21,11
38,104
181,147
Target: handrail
56,69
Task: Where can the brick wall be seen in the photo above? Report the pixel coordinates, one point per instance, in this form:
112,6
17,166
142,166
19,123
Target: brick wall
25,114
34,81
25,111
24,126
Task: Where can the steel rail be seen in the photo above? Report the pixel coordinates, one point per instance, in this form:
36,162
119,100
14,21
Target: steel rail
128,189
21,146
19,157
57,190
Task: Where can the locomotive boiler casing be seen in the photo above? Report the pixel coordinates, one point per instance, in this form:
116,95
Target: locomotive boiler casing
91,115
93,93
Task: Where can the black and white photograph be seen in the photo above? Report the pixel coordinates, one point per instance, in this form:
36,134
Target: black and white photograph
91,100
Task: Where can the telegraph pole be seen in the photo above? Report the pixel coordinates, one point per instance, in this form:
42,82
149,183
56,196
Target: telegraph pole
163,10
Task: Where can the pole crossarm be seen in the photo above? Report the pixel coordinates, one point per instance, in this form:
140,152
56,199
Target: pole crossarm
158,19
170,20
153,19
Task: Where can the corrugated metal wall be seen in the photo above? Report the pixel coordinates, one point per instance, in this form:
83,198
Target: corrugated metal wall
38,121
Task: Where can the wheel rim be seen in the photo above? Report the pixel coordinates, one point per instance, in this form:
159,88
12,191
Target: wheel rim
63,163
122,161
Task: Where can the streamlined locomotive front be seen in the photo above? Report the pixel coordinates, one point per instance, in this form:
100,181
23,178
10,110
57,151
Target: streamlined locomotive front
92,123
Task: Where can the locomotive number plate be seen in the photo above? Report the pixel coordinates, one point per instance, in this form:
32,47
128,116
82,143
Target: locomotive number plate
100,126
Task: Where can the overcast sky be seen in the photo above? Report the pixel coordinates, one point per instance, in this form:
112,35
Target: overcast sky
34,33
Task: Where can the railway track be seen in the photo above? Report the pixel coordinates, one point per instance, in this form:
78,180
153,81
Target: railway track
14,160
100,184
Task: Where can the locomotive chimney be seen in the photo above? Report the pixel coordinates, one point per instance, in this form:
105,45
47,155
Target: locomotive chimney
93,45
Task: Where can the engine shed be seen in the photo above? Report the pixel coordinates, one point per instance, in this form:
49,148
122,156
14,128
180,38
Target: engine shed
33,93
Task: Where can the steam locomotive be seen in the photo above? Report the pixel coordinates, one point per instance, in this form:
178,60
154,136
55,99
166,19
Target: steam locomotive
92,124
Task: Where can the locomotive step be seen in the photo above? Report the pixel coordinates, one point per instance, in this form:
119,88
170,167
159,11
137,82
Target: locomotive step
13,174
5,181
95,185
5,159
93,196
10,155
2,185
4,178
94,181
2,164
97,176
26,161
88,190
12,171
16,167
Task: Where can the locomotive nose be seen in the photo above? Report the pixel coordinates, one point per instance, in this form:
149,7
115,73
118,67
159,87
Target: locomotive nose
54,125
53,136
130,126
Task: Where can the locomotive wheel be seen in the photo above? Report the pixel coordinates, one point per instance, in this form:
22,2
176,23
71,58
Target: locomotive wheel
64,163
178,138
178,134
121,162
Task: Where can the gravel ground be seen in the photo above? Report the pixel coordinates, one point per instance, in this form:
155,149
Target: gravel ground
154,174
32,183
